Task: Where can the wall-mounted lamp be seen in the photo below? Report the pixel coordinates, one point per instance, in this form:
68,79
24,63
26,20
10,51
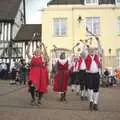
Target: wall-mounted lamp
79,19
109,50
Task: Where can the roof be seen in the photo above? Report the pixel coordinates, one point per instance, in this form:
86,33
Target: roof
26,32
60,2
52,2
8,9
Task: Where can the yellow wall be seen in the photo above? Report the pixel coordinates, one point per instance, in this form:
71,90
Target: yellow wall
108,26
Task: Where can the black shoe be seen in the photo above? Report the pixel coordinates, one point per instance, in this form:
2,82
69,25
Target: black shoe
91,106
95,107
62,98
32,102
72,90
82,98
39,102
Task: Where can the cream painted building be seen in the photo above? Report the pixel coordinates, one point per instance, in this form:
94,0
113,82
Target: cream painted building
64,23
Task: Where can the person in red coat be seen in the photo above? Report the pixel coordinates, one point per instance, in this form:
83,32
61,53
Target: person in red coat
61,77
38,75
93,78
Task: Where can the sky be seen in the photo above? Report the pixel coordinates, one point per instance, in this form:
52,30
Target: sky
33,13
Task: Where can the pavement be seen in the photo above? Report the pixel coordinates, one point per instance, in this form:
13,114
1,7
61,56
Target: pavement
15,105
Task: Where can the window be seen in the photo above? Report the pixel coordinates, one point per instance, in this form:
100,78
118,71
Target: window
93,25
91,2
118,2
118,24
60,26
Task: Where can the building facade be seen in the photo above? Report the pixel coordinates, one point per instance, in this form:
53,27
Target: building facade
12,16
64,23
28,33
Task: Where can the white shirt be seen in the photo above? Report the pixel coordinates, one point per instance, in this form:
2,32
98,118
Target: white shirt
4,66
83,65
93,67
12,66
62,61
75,67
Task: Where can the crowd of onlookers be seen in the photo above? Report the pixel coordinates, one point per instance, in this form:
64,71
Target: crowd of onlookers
16,71
4,70
110,77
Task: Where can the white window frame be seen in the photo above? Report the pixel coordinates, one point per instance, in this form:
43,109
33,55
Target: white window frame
92,26
116,2
91,2
60,22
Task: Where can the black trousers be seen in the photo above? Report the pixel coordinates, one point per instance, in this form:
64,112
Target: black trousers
93,81
82,79
73,78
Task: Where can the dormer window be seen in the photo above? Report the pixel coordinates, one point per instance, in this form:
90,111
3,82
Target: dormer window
91,2
117,2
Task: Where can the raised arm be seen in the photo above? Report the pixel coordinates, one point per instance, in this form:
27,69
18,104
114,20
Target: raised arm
100,50
45,53
28,51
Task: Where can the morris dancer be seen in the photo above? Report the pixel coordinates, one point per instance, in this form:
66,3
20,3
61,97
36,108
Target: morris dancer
82,76
74,73
93,78
38,74
61,77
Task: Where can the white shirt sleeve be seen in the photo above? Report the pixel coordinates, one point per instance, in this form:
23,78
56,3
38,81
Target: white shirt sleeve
69,63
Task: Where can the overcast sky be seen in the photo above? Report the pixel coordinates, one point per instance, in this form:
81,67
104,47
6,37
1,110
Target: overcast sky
33,13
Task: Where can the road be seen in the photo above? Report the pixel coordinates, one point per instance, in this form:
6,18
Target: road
15,105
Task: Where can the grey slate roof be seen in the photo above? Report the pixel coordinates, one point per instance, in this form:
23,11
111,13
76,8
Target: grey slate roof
26,32
60,2
52,2
8,9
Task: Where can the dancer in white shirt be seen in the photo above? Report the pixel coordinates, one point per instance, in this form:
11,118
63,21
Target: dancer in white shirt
82,76
93,78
